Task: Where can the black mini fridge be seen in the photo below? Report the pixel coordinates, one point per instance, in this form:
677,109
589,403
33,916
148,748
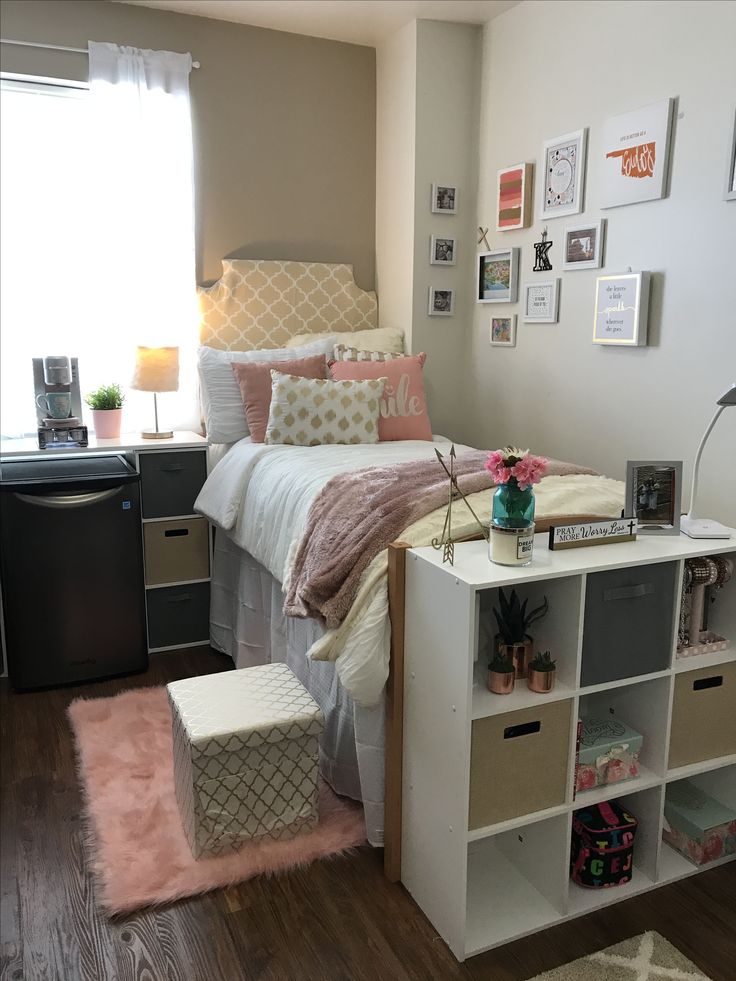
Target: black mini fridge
71,561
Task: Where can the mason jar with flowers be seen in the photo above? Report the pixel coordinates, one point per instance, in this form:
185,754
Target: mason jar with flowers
514,472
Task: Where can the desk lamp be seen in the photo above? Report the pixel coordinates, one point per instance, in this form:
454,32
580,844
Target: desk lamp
691,524
156,370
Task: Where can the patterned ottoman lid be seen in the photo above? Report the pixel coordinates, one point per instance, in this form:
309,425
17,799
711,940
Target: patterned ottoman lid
257,705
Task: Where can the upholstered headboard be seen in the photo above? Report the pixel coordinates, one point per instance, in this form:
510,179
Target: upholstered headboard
261,303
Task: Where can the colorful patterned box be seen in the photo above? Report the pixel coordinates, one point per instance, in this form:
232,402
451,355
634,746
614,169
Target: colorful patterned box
245,756
700,827
609,752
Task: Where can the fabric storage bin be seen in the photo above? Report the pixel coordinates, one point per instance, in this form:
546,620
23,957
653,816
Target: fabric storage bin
171,482
608,753
246,749
178,615
700,827
176,551
519,762
602,852
628,625
703,715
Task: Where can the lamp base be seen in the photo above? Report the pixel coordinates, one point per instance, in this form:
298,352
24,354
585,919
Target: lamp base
157,434
703,528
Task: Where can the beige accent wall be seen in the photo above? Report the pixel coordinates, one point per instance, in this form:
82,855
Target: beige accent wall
284,126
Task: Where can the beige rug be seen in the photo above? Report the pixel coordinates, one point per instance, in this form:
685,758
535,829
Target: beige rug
647,957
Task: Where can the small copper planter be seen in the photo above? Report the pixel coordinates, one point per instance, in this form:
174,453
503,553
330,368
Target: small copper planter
520,654
541,681
501,682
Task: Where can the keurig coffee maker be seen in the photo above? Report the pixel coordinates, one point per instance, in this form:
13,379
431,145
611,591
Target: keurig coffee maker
58,403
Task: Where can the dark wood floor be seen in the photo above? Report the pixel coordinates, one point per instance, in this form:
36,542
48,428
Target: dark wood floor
337,920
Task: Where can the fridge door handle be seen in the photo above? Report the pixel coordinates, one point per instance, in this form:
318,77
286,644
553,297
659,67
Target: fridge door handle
59,499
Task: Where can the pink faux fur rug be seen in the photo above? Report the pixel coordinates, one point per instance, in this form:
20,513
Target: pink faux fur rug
139,852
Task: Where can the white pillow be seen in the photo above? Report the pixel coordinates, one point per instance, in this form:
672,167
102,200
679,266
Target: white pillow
378,339
222,402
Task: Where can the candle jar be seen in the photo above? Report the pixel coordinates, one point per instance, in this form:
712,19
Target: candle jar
511,546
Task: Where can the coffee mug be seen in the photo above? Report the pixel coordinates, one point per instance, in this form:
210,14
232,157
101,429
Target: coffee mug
58,405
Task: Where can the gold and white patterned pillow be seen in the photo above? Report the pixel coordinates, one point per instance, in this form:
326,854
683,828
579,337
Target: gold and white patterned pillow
312,411
344,353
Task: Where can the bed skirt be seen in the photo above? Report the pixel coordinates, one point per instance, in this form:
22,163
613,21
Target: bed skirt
247,623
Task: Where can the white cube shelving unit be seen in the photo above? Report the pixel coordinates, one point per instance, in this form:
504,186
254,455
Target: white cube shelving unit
483,886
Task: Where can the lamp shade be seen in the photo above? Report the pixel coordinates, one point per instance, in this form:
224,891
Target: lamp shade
156,369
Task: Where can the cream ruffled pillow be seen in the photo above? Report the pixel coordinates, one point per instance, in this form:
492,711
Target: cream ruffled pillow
312,411
378,339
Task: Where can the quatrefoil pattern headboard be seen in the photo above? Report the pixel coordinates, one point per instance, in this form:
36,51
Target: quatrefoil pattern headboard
261,303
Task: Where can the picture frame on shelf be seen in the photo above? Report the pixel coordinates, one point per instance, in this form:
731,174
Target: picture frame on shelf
583,244
621,309
502,331
654,495
562,175
542,302
442,250
729,193
635,155
498,276
441,302
444,198
514,197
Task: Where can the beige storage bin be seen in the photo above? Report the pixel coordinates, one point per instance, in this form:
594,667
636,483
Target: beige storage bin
703,715
519,762
176,551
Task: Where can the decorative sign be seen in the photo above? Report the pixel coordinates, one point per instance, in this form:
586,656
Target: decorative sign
541,302
584,533
541,254
635,155
621,306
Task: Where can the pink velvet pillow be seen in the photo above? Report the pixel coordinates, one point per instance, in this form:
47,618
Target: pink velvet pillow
403,405
254,381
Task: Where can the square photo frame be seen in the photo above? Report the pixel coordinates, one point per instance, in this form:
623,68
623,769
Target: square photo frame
441,302
444,199
542,302
498,276
621,309
502,331
442,250
514,197
654,495
582,246
561,175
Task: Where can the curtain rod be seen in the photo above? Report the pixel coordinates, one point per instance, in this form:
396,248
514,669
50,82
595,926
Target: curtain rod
56,47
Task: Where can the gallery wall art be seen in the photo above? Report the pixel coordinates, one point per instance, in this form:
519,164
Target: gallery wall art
635,155
621,309
514,197
498,276
562,175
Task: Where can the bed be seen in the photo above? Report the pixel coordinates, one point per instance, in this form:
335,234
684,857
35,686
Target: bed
258,497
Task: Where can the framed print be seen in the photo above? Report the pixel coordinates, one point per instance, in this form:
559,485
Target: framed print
498,276
730,191
541,302
441,302
634,155
582,247
514,197
653,495
562,175
444,199
621,308
503,331
442,251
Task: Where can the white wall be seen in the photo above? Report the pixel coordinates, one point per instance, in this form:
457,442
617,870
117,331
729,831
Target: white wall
549,68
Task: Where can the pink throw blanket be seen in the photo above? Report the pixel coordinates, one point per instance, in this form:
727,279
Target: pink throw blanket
357,515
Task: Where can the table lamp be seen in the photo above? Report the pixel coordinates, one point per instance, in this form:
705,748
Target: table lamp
156,370
691,524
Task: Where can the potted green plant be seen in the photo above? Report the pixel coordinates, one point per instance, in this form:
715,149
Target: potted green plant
501,674
513,639
106,403
541,673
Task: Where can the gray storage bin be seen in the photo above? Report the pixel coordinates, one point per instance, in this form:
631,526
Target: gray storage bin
178,615
629,622
171,482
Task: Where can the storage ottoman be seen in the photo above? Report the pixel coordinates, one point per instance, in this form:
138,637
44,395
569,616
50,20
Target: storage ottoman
245,756
697,825
609,752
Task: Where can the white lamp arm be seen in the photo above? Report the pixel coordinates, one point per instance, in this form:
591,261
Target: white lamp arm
693,492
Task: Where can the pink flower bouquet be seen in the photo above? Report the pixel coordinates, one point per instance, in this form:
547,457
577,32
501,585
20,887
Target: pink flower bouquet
512,463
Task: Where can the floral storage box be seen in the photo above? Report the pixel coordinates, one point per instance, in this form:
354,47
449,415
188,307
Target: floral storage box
609,752
700,827
245,756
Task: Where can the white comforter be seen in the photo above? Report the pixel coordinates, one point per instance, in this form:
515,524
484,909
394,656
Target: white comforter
261,495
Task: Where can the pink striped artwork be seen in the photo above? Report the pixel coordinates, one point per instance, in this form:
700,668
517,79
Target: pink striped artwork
513,208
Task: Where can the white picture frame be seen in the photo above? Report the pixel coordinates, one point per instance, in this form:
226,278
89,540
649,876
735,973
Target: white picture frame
583,243
442,250
514,197
562,175
542,302
444,198
497,279
729,192
621,309
635,152
441,302
502,331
